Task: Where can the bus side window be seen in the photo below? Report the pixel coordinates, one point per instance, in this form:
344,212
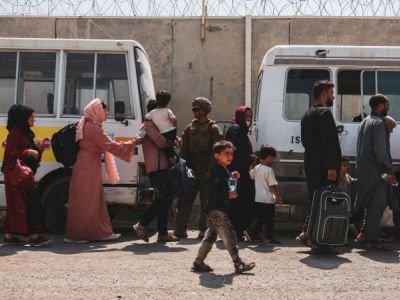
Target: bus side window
8,65
78,82
299,91
36,81
112,82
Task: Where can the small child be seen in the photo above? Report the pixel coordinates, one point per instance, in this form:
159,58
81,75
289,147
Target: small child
390,123
267,195
218,221
165,120
345,180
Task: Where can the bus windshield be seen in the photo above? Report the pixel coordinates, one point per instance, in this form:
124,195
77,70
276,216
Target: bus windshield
145,78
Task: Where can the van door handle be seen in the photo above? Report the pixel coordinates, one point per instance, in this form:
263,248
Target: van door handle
341,131
256,134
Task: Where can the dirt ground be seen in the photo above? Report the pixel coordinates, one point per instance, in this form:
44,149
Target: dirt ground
132,269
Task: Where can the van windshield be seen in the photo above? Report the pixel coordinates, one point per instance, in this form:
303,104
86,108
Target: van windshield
145,78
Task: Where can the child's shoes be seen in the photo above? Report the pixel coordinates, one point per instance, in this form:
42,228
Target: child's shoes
241,267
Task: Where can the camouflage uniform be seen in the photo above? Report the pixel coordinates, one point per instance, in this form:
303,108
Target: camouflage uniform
197,141
219,224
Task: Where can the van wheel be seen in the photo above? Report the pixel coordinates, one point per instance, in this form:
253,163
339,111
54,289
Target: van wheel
55,200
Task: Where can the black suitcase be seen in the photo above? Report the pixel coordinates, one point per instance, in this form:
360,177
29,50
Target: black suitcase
329,218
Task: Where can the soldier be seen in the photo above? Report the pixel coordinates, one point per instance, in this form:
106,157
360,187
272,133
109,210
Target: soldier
198,139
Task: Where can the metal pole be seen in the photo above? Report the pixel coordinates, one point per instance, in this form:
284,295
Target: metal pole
203,20
247,78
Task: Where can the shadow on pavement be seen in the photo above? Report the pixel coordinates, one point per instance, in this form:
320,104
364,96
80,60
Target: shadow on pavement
383,256
189,241
263,248
215,281
324,261
6,250
58,247
144,249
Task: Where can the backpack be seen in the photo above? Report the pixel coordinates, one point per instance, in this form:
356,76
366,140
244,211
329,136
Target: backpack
64,146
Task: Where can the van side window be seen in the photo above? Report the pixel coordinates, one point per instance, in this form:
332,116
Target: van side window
110,84
299,91
348,98
388,84
354,89
8,66
36,81
368,90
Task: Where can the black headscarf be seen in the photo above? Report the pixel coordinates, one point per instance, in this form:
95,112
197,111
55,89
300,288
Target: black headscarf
18,116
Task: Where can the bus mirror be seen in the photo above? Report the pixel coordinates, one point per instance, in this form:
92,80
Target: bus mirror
119,109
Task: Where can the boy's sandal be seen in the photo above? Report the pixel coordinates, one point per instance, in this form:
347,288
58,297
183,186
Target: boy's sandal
243,267
201,267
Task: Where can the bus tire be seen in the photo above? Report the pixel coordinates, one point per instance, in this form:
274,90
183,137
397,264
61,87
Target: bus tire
54,198
55,202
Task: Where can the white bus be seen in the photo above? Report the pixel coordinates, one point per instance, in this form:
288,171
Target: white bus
57,78
284,93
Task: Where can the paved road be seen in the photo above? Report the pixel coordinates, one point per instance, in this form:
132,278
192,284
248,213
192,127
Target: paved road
132,269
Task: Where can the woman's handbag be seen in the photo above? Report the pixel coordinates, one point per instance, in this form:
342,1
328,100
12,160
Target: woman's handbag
21,176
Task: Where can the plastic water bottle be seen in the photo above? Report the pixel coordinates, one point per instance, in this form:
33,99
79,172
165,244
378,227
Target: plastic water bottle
232,184
142,132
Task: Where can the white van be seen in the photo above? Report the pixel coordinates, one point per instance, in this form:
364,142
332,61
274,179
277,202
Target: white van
284,93
57,78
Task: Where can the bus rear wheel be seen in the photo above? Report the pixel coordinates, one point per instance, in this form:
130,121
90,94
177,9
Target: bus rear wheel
55,202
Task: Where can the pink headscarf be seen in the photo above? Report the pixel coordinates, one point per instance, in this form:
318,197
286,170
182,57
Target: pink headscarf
94,113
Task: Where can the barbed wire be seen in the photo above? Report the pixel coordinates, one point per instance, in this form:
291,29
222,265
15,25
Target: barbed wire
174,8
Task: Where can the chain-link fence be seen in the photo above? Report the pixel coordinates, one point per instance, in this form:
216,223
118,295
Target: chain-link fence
194,7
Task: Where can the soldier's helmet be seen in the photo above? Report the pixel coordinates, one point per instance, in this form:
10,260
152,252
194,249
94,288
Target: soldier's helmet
203,103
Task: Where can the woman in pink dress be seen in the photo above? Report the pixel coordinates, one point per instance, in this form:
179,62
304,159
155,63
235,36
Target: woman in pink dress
88,218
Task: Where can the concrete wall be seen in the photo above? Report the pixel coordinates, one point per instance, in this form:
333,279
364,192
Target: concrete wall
214,67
